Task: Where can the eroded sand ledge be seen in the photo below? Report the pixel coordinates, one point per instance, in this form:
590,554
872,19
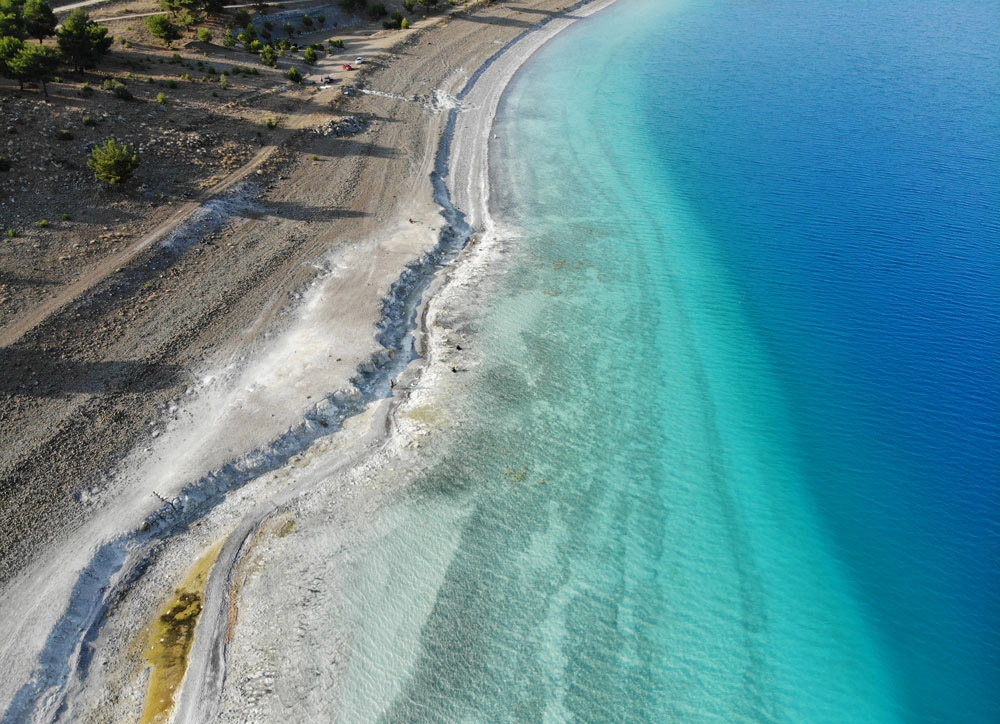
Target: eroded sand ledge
251,398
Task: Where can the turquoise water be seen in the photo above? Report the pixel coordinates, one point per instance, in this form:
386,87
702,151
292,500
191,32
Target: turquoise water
730,453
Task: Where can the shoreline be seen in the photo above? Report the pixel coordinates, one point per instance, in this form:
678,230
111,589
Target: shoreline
378,413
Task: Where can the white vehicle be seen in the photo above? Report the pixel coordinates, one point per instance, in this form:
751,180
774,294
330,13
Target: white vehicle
359,60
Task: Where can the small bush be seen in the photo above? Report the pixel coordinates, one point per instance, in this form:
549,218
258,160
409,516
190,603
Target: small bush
268,56
309,56
204,35
11,233
161,98
408,4
307,22
321,19
117,89
86,90
377,10
89,121
404,24
228,40
63,134
272,123
65,217
336,43
241,17
172,84
294,75
43,224
113,162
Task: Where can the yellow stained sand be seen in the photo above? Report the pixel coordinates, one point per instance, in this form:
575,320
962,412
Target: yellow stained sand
169,638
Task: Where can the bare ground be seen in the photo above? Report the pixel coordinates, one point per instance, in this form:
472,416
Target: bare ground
104,316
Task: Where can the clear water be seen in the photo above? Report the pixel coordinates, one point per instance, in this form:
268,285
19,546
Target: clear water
732,450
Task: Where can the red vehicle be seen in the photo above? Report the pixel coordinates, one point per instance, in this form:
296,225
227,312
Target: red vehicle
347,66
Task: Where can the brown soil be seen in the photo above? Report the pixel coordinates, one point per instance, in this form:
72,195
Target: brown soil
101,323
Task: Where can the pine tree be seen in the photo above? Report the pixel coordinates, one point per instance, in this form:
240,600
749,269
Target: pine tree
82,41
34,64
39,20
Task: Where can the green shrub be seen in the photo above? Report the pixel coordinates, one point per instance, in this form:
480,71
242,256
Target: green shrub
172,84
336,43
404,24
272,123
408,4
89,121
377,10
63,134
241,18
309,56
307,22
268,56
117,89
113,162
161,98
43,224
65,217
204,35
86,90
294,75
227,38
11,233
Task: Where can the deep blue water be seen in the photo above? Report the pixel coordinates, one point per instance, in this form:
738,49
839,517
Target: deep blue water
729,445
847,158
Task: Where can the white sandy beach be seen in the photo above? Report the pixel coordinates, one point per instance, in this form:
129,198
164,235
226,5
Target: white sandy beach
245,456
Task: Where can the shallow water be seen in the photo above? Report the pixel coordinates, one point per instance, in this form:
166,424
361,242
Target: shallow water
730,449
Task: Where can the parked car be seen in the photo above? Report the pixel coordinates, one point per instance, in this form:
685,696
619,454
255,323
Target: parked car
359,60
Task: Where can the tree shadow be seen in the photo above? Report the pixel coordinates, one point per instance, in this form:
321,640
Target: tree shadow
296,211
22,281
44,372
499,22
